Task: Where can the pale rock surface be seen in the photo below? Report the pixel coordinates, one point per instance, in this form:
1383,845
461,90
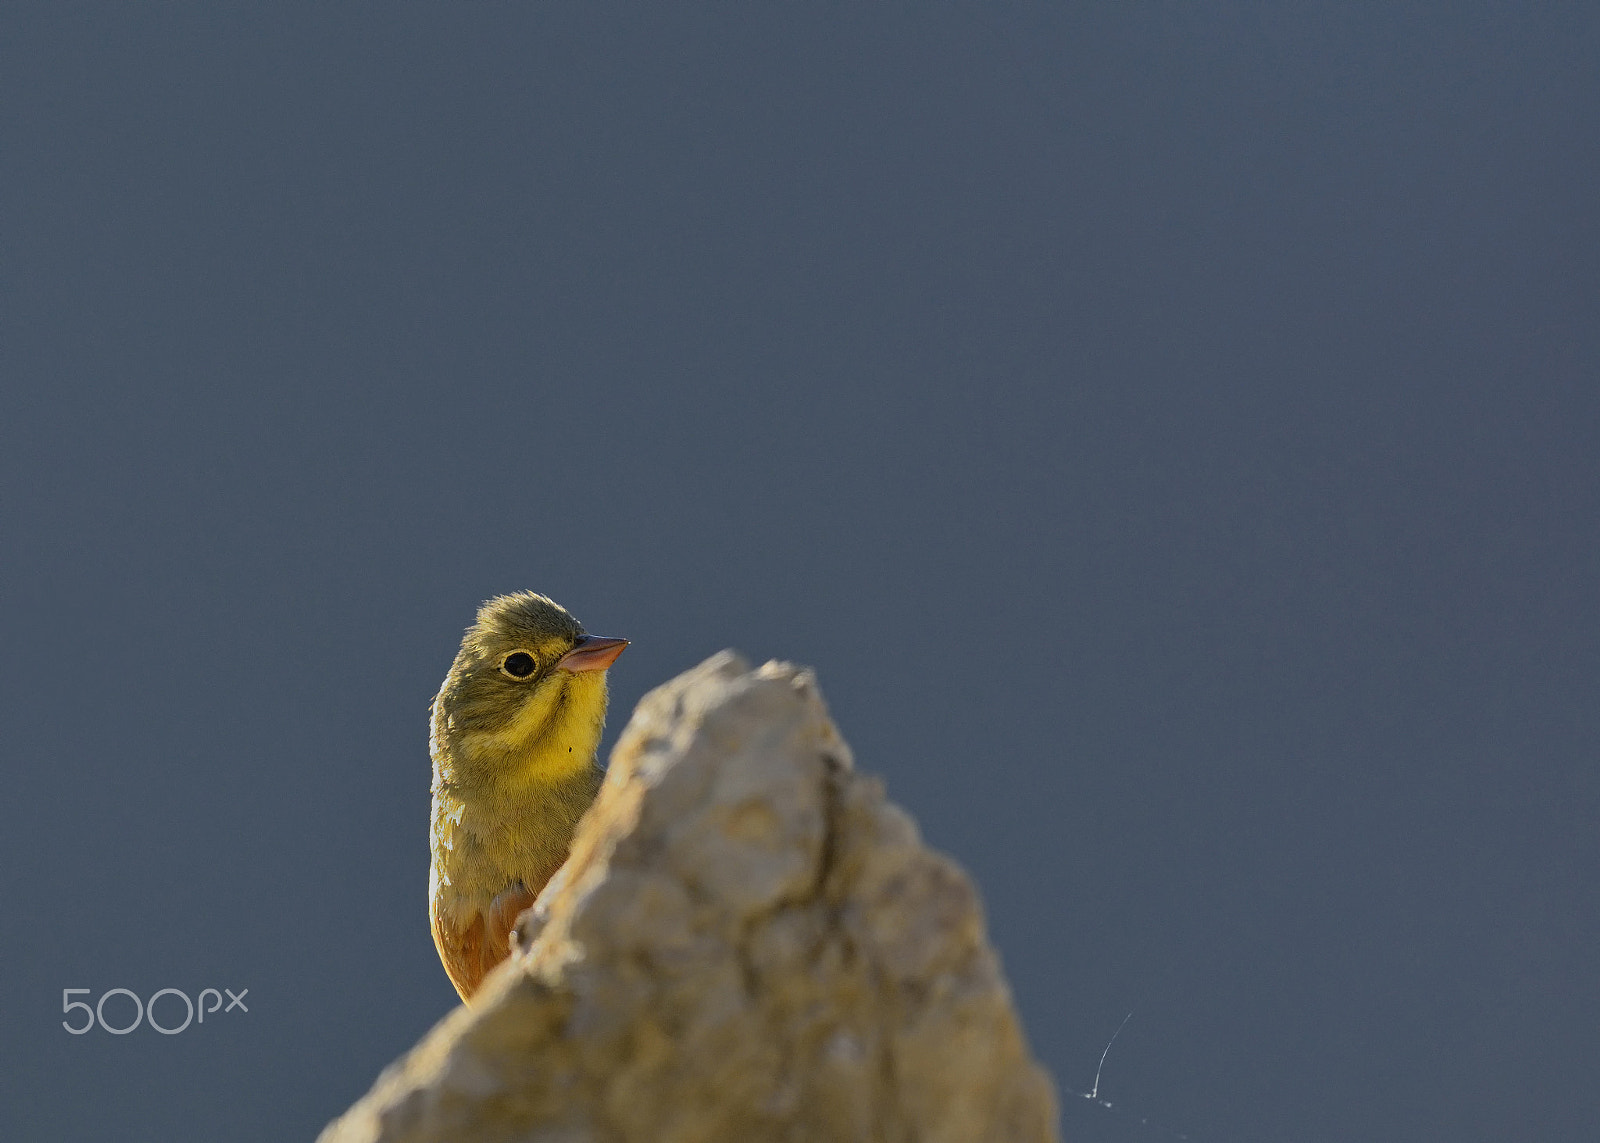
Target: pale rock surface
748,944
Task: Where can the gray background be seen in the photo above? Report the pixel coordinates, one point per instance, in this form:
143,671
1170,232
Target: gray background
1169,430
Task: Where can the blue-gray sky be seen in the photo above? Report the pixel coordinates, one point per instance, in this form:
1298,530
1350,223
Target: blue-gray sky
1170,430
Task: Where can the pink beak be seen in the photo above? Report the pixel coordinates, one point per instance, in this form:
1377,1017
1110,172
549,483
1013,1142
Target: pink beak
593,653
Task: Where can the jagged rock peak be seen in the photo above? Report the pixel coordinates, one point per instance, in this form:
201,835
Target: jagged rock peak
747,944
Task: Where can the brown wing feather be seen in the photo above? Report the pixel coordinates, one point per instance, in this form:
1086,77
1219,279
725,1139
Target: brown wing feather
461,950
469,953
503,913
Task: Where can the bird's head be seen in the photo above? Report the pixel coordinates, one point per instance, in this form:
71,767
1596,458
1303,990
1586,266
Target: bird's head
525,700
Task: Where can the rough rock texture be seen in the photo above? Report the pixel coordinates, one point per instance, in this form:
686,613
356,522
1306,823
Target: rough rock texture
748,944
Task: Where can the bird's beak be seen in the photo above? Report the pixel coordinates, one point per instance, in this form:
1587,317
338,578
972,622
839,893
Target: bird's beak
593,653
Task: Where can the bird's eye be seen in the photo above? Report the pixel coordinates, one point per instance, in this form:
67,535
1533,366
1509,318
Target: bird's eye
518,664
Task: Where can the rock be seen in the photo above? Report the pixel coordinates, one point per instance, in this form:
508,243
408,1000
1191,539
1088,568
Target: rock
748,943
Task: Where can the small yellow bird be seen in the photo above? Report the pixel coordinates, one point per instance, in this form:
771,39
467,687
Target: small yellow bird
515,729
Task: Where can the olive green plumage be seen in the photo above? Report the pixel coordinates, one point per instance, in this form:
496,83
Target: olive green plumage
515,730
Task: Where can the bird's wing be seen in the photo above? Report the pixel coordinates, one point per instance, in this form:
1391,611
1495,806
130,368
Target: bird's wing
472,950
503,913
461,950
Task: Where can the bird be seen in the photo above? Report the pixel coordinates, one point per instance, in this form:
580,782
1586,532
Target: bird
514,732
